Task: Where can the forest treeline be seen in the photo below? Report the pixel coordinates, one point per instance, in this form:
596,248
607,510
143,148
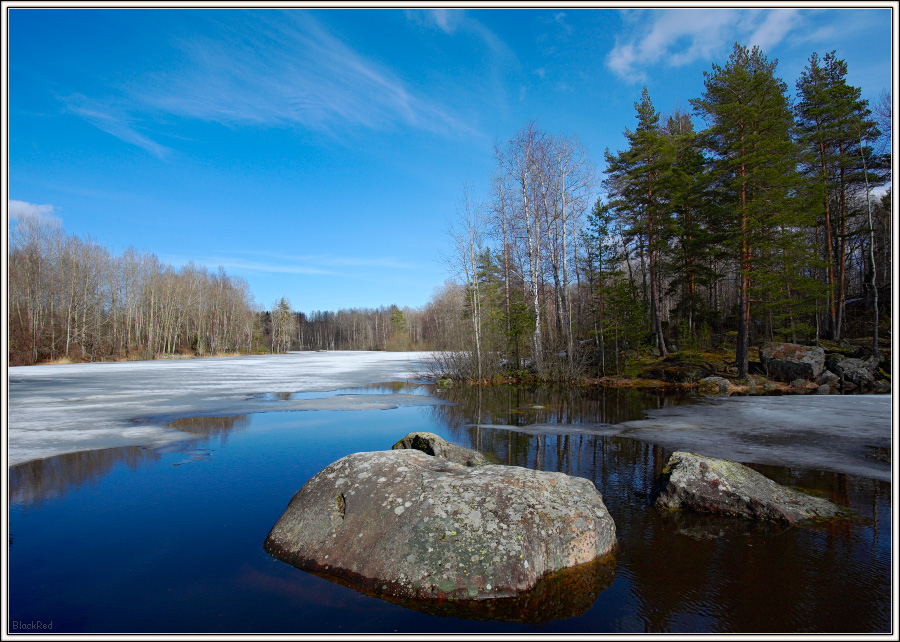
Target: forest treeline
71,299
760,225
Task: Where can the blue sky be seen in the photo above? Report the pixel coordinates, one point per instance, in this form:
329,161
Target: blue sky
319,154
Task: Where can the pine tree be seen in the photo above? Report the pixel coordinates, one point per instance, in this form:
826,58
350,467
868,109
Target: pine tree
694,237
753,168
635,182
833,122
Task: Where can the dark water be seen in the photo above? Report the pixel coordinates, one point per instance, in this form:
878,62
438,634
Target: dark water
133,540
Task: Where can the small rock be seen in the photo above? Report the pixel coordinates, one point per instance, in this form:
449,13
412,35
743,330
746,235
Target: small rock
802,386
828,378
725,487
719,385
431,444
881,386
824,389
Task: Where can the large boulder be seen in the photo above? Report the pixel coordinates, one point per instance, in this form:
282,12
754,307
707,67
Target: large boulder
709,485
859,372
790,361
404,524
436,446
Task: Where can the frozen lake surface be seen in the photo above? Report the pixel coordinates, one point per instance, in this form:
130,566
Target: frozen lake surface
56,409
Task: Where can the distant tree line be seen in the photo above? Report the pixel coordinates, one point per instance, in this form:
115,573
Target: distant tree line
762,226
71,299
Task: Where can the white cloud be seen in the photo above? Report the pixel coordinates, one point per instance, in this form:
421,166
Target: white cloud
676,37
777,24
103,117
21,210
560,19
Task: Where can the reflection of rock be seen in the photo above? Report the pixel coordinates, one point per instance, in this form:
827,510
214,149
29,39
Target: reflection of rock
789,361
706,526
567,593
409,525
431,444
725,487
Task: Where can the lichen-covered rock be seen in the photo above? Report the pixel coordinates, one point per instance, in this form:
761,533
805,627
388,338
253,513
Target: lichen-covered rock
828,378
725,487
859,372
789,361
716,385
431,444
881,386
409,525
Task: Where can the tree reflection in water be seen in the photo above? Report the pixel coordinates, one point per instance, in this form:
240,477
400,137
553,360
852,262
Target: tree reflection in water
36,481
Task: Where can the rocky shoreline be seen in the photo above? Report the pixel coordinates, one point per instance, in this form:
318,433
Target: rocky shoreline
779,368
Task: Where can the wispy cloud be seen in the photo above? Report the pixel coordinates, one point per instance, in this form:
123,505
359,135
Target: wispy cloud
289,70
774,28
496,58
260,266
446,20
676,37
331,261
275,263
21,210
104,117
266,69
560,19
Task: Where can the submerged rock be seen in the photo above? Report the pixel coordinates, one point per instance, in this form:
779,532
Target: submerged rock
725,487
789,361
404,524
431,444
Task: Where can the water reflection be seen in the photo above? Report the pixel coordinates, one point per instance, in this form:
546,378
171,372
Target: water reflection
522,406
206,427
700,573
36,481
568,593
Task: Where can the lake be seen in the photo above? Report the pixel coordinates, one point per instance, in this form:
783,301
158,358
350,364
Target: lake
169,540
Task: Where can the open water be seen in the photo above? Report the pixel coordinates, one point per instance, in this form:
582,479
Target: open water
140,540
